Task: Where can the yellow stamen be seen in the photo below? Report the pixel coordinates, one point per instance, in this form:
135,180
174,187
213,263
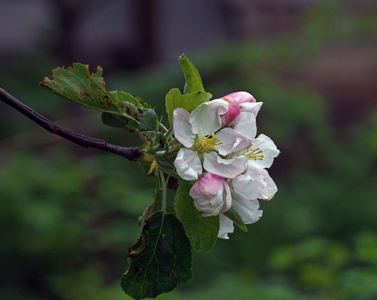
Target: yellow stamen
210,142
255,154
207,143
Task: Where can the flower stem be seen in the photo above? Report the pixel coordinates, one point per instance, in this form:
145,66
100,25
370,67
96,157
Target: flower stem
164,192
163,127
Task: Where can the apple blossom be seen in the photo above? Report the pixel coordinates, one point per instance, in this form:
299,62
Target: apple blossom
206,144
262,150
221,151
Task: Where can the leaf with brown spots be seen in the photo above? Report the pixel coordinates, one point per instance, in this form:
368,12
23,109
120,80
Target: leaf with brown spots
160,260
77,84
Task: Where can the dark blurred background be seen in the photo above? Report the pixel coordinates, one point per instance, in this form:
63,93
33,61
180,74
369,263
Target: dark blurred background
68,215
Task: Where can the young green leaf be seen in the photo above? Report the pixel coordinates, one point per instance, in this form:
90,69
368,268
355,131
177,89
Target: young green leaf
146,123
148,120
193,80
160,260
202,231
118,121
189,102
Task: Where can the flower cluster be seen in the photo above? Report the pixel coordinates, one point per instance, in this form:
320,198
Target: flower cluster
223,157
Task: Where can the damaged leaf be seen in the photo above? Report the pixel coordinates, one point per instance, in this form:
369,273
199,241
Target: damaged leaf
160,260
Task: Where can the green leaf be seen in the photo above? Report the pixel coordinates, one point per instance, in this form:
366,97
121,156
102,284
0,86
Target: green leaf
202,231
124,97
235,217
193,81
148,122
147,125
160,260
189,102
118,121
77,84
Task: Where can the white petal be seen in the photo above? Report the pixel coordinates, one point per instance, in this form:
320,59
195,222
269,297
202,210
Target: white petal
227,168
206,119
188,164
182,127
245,123
266,186
247,209
251,107
226,226
245,187
231,141
270,151
210,205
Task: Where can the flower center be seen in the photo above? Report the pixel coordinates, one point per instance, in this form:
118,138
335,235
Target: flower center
208,142
255,154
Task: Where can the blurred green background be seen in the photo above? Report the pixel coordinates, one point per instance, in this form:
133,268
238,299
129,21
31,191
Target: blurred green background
68,215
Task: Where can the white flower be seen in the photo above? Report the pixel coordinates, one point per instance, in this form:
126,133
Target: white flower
262,151
255,183
219,140
211,194
199,133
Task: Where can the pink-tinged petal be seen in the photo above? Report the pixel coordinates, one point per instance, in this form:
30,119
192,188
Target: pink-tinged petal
227,168
231,141
269,149
226,226
233,110
182,127
247,209
187,164
245,187
266,186
227,197
251,107
241,97
206,119
211,194
245,124
208,184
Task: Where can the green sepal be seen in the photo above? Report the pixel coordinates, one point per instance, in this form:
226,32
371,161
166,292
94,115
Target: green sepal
193,80
235,217
189,102
160,260
202,231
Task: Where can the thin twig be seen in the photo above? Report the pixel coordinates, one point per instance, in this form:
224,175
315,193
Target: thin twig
82,140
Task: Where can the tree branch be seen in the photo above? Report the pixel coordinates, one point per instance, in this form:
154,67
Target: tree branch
82,140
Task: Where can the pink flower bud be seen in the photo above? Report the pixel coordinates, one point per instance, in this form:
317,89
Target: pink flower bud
241,97
211,194
233,110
